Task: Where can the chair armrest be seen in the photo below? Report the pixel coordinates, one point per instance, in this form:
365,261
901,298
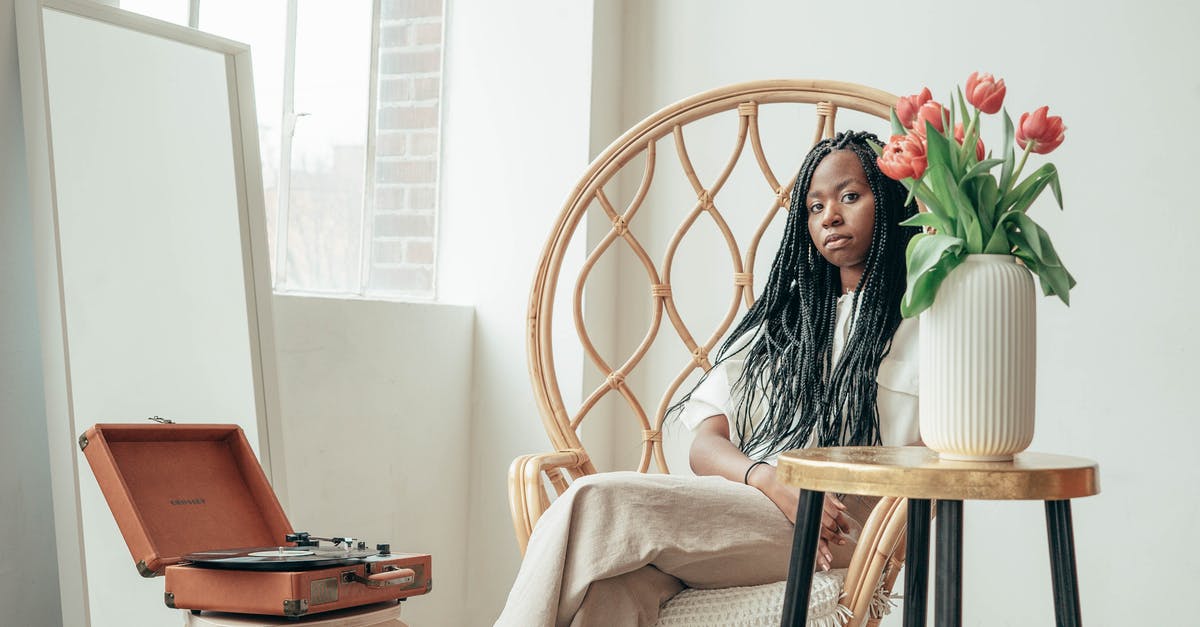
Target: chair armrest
877,559
527,497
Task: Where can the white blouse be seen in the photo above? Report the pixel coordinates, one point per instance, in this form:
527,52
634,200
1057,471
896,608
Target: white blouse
896,397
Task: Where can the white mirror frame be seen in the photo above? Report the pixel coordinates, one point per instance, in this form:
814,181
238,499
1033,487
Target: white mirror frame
62,426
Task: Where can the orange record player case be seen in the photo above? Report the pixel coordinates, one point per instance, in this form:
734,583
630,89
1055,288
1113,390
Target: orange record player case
177,489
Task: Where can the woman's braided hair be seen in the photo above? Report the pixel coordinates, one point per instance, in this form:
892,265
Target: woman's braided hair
789,370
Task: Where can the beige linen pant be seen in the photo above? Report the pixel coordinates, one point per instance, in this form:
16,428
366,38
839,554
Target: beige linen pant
616,546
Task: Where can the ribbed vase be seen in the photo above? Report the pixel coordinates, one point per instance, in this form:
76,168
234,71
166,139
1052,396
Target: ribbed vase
978,361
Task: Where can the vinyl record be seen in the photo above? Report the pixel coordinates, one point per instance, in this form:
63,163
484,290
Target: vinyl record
278,558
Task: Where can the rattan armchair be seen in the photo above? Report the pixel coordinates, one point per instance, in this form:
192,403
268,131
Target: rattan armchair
535,479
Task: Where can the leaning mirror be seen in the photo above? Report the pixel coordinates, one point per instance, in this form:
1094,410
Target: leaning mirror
151,259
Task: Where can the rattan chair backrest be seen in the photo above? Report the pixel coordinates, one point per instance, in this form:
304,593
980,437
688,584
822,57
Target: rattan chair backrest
641,143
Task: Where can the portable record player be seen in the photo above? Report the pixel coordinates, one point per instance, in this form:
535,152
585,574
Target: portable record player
181,492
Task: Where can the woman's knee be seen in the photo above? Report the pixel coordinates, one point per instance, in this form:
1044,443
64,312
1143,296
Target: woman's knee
604,487
627,490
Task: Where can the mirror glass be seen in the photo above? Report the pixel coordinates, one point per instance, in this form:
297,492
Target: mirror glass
154,262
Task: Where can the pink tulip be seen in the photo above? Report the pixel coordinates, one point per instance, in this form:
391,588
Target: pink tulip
959,134
907,106
1043,131
932,112
984,92
903,157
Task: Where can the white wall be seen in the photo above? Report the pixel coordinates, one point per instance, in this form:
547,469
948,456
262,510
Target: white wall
517,92
603,434
29,567
1115,372
375,400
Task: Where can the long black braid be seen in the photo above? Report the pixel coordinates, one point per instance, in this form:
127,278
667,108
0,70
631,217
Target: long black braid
789,370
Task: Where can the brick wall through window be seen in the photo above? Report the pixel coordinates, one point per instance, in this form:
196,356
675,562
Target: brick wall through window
403,217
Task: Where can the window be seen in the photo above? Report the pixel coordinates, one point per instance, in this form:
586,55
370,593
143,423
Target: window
348,95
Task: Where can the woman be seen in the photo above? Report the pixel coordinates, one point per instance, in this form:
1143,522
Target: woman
823,358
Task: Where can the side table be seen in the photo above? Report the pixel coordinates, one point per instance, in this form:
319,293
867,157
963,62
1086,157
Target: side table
920,475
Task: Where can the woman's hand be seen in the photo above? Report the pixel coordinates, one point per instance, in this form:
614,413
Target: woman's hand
712,453
834,523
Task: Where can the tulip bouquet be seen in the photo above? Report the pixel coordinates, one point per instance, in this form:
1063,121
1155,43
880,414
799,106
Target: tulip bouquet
970,211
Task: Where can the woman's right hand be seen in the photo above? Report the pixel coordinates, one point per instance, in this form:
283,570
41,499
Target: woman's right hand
834,523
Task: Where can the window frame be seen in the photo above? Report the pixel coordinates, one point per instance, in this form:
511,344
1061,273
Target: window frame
368,210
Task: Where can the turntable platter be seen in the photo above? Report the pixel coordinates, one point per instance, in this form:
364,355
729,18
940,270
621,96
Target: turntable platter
278,558
279,552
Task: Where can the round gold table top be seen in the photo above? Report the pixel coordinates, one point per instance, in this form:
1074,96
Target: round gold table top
917,472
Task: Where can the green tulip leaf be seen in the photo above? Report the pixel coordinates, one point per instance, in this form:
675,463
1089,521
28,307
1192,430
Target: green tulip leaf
1010,158
1021,243
914,187
925,250
1049,255
1023,195
998,243
897,127
911,185
937,150
984,217
952,119
929,258
974,231
947,190
1056,188
922,291
986,194
1054,278
1031,262
970,138
1064,282
1001,243
981,169
935,205
956,161
962,107
1046,279
925,218
1057,278
919,296
1033,233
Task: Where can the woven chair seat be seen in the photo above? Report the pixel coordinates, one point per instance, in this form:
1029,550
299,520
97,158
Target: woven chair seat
755,606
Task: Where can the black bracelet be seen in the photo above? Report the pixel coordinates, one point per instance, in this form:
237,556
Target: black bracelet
746,479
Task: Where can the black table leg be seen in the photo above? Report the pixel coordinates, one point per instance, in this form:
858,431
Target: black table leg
948,611
804,554
1060,532
916,563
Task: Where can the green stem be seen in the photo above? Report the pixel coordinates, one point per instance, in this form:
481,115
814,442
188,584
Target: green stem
967,133
1020,165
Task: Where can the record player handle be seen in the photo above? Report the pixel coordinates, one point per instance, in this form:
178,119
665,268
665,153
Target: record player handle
391,575
394,577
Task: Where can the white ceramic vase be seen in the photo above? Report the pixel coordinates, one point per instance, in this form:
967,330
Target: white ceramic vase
978,361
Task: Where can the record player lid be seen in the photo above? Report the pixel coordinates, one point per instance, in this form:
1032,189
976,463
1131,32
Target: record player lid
176,489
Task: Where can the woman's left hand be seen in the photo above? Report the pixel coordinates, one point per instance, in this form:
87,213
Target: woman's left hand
834,523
